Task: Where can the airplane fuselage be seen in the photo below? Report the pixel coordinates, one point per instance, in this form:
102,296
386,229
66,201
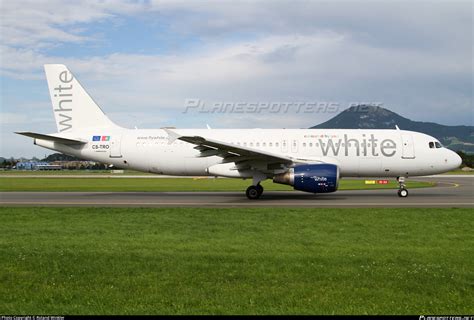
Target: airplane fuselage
361,152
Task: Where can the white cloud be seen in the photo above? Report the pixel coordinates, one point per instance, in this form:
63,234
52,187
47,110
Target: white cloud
326,66
36,24
8,118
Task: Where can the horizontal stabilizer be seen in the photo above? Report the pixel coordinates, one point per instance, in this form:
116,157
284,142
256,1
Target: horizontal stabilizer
51,138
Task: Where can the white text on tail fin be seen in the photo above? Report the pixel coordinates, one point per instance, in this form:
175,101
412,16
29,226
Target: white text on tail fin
72,106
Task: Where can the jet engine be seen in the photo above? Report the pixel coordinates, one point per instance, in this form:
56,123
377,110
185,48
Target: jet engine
315,178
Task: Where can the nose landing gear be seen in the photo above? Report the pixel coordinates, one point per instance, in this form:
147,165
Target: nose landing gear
402,190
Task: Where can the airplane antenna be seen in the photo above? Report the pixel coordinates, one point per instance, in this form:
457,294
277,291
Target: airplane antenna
396,127
209,127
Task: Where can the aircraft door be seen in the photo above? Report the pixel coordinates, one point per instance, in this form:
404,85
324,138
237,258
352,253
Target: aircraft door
116,146
408,148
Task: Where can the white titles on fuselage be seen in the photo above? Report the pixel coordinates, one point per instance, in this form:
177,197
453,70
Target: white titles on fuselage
365,146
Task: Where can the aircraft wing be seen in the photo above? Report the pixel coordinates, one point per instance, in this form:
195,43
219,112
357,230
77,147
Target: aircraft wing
242,156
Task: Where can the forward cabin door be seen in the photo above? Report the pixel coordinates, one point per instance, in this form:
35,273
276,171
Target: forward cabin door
116,146
408,148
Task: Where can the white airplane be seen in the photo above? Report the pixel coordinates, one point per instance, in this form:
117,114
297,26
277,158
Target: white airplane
311,160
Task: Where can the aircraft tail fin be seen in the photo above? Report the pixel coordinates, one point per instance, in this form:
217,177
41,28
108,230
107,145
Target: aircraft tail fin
72,106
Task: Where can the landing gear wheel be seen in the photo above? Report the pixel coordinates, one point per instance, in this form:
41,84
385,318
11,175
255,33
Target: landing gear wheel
253,192
403,193
402,190
260,189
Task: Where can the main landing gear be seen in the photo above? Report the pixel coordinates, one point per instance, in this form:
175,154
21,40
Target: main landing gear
254,192
402,190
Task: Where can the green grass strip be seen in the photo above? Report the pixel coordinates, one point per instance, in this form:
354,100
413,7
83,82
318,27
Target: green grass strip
236,261
167,184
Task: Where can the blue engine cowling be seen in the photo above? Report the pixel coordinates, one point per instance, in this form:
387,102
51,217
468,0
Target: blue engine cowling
315,178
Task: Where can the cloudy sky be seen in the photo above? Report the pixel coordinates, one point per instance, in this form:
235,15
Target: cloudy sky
141,60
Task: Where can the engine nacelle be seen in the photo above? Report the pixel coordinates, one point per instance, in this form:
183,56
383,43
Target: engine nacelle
315,178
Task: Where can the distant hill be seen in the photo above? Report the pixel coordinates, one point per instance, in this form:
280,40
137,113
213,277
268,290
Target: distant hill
60,157
458,138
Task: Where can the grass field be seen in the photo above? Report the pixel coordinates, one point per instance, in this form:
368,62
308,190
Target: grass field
243,261
165,184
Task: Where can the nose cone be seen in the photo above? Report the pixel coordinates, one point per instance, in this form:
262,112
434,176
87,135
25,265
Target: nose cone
458,160
454,160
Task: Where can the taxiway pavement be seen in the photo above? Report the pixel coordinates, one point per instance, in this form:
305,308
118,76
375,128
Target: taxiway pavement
450,191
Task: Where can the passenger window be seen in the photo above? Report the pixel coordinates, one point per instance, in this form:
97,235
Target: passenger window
304,144
431,145
270,144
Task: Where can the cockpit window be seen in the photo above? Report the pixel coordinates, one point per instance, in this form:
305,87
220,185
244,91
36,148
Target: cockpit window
438,145
431,145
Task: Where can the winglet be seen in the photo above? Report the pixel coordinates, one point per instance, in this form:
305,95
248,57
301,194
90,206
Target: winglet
172,136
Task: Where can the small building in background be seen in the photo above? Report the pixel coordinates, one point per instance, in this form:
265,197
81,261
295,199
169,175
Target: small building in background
36,165
48,167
